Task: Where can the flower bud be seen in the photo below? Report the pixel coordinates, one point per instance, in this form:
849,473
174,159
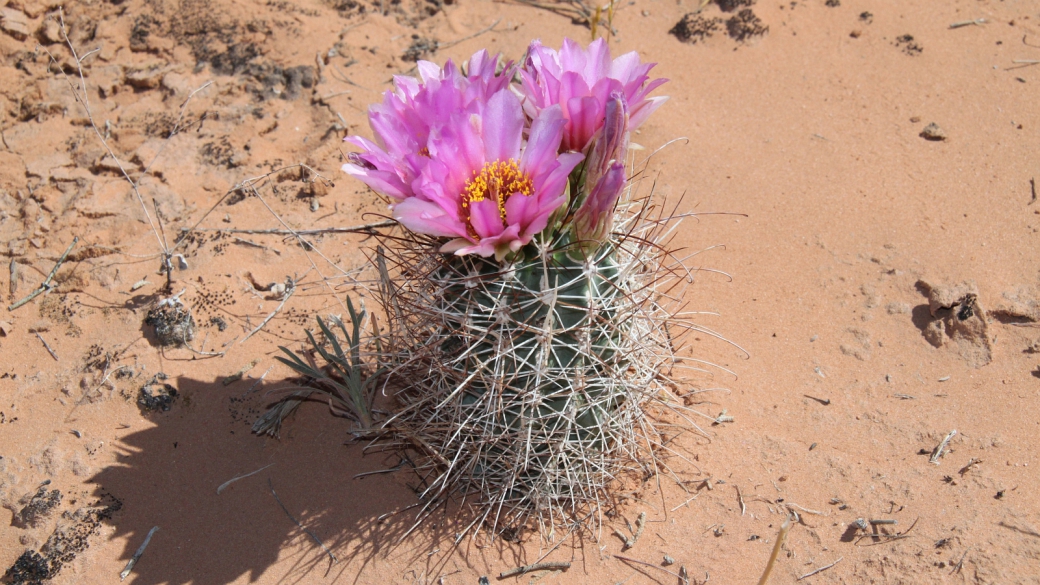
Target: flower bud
595,218
612,142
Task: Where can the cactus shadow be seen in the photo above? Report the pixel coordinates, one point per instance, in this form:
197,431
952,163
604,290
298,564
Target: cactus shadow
168,476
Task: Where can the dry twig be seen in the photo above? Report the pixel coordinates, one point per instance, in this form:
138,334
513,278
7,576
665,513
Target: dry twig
332,557
46,286
546,566
938,452
780,538
820,570
137,555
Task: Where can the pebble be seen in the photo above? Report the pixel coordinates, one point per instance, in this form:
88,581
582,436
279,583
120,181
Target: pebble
933,132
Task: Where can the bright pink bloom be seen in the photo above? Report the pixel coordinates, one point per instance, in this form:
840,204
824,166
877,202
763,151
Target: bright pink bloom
482,186
581,81
402,123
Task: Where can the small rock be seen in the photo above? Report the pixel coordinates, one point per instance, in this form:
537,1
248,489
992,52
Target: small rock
156,395
5,328
173,322
933,132
49,32
14,23
148,77
668,560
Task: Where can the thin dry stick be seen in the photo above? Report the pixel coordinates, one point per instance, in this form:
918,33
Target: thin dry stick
684,503
234,479
256,245
258,380
46,286
13,286
82,96
938,452
242,372
332,557
821,569
960,563
137,555
277,232
646,564
780,537
631,542
289,290
49,350
977,22
547,566
176,127
743,508
472,36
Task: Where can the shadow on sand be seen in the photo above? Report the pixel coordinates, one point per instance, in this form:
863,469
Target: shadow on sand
168,475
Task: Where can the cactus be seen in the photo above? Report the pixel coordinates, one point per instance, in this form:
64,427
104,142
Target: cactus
528,383
530,301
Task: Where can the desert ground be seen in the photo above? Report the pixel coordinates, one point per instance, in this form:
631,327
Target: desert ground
866,235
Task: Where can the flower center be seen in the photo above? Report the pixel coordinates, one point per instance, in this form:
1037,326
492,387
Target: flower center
497,181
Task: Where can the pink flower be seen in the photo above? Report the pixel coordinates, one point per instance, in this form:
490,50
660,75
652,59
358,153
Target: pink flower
482,186
402,123
581,81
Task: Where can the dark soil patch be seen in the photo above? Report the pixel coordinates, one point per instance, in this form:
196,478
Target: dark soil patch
156,395
733,5
695,28
745,25
908,45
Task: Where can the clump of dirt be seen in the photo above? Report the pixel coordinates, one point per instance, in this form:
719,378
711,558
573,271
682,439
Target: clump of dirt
156,395
908,45
933,133
695,28
70,538
421,48
745,25
957,320
1021,305
732,5
173,322
37,507
29,569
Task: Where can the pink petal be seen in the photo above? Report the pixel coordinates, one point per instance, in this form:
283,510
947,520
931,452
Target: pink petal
598,62
586,114
551,184
503,125
643,111
521,209
544,141
425,217
485,218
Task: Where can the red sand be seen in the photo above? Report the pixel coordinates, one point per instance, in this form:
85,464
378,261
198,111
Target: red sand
812,131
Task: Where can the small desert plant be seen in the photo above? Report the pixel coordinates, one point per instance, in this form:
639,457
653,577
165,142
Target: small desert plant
343,381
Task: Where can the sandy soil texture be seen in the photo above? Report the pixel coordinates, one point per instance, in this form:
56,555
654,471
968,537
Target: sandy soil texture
874,284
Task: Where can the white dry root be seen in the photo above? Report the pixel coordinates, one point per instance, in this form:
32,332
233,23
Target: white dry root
530,388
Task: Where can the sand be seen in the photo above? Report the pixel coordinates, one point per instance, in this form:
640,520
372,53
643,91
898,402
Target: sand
839,242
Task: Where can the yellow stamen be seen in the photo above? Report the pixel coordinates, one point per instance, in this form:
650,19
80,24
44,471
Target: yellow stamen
496,181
